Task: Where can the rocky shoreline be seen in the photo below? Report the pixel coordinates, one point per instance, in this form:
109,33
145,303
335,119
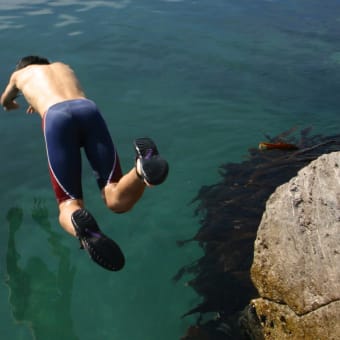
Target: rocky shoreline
296,267
231,212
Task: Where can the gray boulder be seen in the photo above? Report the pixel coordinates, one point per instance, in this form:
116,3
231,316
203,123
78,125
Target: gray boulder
296,267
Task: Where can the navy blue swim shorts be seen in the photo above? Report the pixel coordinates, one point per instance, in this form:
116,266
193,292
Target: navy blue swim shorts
69,126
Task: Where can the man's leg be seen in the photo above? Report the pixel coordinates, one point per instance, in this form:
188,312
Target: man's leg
150,170
66,209
80,223
122,195
64,161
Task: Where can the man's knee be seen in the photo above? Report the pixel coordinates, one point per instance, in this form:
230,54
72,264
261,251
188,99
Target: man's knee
119,207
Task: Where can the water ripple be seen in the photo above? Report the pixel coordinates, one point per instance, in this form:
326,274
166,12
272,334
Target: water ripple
9,22
91,5
22,4
66,20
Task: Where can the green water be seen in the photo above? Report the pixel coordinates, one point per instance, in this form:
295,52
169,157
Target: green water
205,79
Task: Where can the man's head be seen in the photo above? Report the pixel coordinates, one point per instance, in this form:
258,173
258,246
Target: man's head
31,60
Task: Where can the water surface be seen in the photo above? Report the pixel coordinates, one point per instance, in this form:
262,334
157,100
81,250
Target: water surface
206,79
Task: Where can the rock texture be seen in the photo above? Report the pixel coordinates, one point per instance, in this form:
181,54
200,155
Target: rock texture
296,267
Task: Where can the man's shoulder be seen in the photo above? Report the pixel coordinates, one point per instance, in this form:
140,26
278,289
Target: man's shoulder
60,63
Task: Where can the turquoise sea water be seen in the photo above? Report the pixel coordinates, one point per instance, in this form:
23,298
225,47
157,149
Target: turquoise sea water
206,79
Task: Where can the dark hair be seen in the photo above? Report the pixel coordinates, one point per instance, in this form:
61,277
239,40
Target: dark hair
31,60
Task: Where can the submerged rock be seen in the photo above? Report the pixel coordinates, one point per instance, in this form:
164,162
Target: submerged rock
296,267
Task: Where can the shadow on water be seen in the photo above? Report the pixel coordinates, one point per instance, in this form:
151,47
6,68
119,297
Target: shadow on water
40,298
231,212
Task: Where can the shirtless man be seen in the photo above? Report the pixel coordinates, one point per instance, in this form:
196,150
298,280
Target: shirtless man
70,122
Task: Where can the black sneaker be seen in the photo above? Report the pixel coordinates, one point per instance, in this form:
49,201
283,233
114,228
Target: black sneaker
154,169
101,249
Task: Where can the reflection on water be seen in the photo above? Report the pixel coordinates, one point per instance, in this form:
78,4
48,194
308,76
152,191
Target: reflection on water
84,6
44,8
39,297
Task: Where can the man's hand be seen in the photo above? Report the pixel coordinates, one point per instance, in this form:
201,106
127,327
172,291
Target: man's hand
7,99
12,105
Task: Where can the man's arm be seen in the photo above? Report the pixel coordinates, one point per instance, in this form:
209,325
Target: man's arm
10,93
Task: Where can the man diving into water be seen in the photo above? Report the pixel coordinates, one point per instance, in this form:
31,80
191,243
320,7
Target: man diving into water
70,122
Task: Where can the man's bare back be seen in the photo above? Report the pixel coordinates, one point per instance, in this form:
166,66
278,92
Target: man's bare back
42,87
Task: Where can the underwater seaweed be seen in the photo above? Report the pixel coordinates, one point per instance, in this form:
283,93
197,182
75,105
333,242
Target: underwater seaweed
230,212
